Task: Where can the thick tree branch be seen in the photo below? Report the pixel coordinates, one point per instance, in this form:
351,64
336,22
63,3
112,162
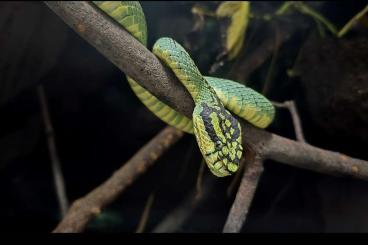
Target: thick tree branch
313,158
136,61
129,55
87,207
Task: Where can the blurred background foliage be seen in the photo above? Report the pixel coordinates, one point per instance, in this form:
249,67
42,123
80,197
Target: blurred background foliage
286,50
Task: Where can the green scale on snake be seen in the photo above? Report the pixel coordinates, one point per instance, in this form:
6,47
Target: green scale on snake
217,131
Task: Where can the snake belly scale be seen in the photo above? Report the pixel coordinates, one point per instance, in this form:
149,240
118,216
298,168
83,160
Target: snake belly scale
217,131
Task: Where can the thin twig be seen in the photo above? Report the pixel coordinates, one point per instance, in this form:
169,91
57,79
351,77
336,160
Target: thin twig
239,210
290,105
305,9
177,217
284,8
144,218
87,207
199,181
352,22
54,157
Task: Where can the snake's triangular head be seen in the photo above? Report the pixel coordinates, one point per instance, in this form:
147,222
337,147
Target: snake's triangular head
218,135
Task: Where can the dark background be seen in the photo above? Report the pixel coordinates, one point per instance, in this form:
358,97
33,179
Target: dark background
99,124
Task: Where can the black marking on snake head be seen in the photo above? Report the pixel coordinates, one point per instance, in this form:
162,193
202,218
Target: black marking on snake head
207,110
225,129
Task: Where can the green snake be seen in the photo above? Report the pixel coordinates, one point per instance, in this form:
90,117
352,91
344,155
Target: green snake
217,132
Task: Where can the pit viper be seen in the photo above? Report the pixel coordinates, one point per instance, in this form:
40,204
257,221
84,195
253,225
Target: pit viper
217,132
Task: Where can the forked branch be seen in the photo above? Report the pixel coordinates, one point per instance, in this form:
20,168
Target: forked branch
138,62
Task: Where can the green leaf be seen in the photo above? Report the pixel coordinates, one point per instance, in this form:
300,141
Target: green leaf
238,12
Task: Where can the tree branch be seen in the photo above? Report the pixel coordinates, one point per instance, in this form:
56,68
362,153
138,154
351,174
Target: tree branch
54,156
124,51
144,218
87,207
290,105
313,158
135,60
248,185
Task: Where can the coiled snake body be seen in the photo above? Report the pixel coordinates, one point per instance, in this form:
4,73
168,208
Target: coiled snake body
217,132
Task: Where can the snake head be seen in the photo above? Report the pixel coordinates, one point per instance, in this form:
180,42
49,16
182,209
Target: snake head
218,135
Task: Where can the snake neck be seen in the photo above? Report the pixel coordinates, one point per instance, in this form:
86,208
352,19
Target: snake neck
173,55
200,91
208,95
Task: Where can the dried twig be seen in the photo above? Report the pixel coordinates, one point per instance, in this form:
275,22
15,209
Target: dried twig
199,181
239,210
87,207
177,217
54,157
290,105
144,218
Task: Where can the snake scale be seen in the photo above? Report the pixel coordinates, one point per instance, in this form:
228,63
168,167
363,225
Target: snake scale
217,131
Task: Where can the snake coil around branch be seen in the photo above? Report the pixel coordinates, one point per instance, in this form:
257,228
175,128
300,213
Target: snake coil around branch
217,131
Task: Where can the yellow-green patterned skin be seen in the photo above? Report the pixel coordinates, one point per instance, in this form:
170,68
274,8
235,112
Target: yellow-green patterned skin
217,131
